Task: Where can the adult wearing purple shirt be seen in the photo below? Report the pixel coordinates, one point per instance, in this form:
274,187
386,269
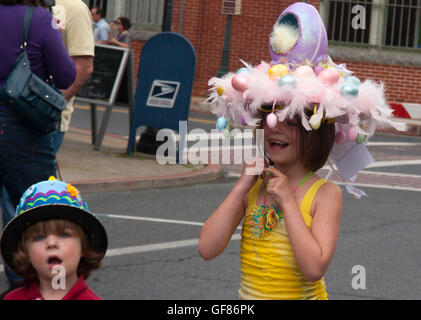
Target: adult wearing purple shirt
27,158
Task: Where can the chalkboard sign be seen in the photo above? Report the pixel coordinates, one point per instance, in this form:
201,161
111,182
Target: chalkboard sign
110,85
109,80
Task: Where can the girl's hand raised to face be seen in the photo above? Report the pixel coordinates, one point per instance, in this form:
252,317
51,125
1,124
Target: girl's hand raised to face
278,186
252,168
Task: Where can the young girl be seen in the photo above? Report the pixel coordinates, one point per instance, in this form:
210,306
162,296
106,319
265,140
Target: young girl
53,243
290,215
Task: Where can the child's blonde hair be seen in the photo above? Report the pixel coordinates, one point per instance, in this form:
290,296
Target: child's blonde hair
90,260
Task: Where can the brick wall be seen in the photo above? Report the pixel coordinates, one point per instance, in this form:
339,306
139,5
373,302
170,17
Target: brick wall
204,26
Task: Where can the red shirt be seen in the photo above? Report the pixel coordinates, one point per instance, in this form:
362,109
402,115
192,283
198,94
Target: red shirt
80,291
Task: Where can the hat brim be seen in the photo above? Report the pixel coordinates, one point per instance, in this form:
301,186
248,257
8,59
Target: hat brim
86,220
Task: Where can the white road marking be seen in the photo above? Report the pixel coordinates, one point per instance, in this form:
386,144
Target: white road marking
152,247
192,223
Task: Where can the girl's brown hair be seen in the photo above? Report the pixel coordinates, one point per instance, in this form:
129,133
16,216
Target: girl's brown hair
89,261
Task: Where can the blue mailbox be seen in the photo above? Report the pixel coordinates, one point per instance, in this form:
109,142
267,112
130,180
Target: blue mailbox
164,85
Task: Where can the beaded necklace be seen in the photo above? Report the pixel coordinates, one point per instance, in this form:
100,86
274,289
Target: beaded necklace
264,218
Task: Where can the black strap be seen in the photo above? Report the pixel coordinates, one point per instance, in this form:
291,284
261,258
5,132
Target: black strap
27,24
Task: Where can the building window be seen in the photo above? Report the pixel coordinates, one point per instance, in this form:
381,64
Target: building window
403,23
341,15
97,3
388,23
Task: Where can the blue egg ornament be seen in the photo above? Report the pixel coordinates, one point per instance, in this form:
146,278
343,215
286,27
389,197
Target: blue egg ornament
287,80
349,90
353,80
221,123
242,70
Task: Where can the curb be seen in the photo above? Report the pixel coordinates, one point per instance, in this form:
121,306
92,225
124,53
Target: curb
209,173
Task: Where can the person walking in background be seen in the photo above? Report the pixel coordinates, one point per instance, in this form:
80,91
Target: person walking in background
101,27
123,38
78,38
28,157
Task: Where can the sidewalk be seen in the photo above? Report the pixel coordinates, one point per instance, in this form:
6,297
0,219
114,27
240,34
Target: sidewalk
110,169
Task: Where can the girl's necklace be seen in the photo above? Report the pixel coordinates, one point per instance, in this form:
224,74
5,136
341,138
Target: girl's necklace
293,190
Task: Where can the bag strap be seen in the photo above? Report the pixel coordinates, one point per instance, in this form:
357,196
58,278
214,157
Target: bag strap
27,25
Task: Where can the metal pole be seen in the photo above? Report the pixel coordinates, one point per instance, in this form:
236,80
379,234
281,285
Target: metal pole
181,16
226,50
147,142
166,25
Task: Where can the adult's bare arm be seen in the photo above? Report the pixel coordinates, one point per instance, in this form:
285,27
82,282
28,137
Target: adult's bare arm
84,68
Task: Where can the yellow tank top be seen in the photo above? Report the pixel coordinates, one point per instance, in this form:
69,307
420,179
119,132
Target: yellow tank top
268,266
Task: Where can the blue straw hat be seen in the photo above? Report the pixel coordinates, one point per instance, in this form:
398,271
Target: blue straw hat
46,200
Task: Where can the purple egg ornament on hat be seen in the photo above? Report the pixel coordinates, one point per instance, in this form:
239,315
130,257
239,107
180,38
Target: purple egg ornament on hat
299,35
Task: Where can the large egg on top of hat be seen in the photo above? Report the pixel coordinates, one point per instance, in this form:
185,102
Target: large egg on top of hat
298,35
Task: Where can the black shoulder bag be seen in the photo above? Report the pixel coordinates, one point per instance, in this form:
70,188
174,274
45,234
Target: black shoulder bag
33,100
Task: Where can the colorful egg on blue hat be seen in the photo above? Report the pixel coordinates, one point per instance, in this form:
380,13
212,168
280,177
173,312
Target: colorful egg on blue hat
298,35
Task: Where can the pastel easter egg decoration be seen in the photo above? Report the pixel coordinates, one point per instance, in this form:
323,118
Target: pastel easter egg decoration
298,35
221,123
304,72
329,76
352,133
220,91
287,80
259,66
314,122
243,121
349,90
318,69
277,71
243,70
353,80
240,82
271,120
360,138
340,137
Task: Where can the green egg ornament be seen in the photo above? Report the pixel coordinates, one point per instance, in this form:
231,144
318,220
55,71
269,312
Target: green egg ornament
360,138
349,90
287,80
221,123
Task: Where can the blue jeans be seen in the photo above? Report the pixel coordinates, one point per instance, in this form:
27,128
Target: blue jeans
25,159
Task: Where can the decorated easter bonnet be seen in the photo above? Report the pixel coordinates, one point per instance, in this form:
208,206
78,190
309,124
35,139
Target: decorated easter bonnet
301,79
48,200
